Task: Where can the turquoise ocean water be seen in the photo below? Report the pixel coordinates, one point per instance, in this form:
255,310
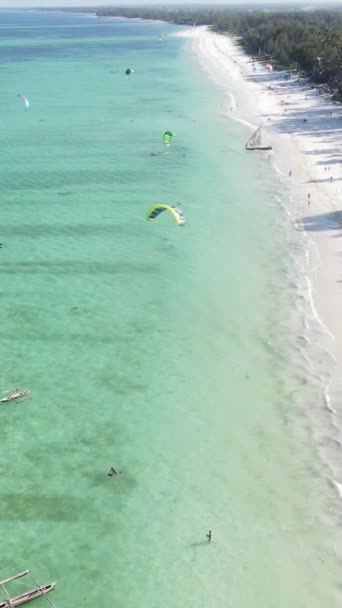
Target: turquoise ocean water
162,351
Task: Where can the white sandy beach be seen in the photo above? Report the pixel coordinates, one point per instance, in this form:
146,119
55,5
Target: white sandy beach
304,128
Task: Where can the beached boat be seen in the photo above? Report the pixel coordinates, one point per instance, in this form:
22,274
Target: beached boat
14,394
255,141
27,596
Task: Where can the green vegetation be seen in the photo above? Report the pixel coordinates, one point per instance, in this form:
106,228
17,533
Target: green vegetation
309,41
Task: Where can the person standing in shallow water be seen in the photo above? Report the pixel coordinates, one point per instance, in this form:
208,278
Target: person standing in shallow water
112,472
209,535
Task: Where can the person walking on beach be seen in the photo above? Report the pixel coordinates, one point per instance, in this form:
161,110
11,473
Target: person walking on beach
309,199
209,536
290,173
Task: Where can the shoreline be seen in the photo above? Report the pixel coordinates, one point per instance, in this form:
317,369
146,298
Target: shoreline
304,128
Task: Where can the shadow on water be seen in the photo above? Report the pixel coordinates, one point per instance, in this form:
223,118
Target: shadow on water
322,221
78,268
201,543
91,340
15,507
18,181
120,484
66,230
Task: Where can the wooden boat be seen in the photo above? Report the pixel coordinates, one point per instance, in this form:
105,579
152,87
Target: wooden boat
14,394
27,596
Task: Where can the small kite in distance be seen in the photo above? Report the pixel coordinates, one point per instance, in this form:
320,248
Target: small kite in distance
26,101
167,137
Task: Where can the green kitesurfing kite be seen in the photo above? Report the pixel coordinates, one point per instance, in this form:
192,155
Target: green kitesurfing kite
167,137
155,210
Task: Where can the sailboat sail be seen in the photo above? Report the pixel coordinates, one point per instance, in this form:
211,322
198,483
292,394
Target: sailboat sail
255,141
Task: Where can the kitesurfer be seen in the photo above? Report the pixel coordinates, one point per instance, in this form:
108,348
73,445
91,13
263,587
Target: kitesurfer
112,472
155,210
209,535
26,101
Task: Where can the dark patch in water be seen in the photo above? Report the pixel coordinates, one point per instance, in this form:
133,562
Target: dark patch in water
16,507
67,230
79,268
119,484
201,543
87,338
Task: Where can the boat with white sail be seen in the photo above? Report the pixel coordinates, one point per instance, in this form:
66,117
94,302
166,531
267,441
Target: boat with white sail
255,141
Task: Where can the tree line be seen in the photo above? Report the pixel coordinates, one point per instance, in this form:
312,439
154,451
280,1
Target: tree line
310,41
